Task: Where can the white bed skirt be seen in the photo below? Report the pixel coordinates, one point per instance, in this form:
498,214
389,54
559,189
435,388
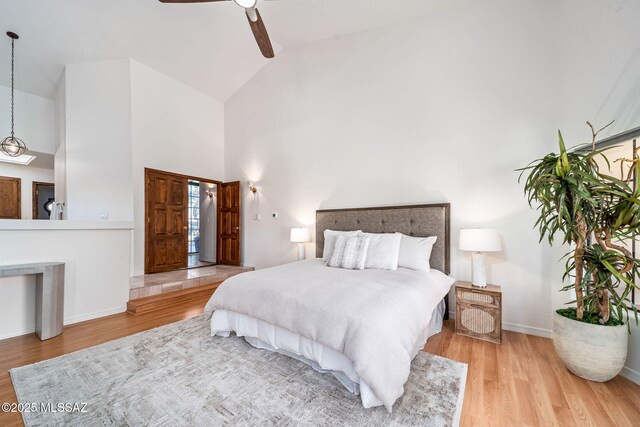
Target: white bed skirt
266,336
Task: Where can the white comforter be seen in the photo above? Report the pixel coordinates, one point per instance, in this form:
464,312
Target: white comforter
374,317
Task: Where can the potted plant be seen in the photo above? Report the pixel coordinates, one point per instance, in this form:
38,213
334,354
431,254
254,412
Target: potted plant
593,212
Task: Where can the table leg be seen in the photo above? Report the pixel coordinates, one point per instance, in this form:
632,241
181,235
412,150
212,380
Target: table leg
50,302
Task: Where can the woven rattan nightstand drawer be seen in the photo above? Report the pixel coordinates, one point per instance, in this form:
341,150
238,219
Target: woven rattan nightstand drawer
479,311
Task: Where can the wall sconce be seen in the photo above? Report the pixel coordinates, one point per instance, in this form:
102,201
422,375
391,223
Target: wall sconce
252,187
210,194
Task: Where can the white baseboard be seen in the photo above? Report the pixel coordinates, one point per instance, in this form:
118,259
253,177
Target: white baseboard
96,314
528,330
514,327
18,333
70,321
630,374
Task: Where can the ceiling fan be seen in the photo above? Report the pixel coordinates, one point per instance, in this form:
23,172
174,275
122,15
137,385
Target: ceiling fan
255,21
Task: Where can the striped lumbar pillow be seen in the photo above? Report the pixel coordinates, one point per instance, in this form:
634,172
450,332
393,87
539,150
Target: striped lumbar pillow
349,252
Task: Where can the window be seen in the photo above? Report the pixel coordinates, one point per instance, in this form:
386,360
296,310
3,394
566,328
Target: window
194,217
622,149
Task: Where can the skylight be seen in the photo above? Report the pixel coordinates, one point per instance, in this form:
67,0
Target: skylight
23,159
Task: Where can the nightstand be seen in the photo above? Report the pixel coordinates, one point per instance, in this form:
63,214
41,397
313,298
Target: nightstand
479,311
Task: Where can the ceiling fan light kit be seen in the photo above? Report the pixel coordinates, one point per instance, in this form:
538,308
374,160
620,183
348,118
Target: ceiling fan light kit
255,22
247,4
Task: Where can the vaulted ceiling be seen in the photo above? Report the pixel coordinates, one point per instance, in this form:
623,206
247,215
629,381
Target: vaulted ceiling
208,46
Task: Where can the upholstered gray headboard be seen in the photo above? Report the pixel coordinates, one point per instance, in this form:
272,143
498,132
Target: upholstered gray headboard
417,220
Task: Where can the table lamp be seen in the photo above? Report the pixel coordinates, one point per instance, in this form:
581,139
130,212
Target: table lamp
479,241
300,236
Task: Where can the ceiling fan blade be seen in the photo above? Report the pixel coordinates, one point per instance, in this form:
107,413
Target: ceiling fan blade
189,1
260,32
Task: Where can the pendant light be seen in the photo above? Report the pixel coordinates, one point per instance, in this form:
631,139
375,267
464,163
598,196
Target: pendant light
12,146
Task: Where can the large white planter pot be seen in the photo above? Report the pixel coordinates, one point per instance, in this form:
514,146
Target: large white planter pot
593,352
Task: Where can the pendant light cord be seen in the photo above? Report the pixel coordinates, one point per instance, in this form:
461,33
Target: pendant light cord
12,146
12,77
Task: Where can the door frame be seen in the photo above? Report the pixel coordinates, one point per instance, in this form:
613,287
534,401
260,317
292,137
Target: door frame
147,229
34,196
181,175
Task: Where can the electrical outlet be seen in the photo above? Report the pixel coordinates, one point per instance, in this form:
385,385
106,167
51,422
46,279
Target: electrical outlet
104,215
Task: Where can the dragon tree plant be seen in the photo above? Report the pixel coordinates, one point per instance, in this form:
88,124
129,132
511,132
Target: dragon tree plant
593,212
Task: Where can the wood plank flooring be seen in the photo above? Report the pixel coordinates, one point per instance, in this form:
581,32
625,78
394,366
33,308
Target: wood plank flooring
518,383
523,383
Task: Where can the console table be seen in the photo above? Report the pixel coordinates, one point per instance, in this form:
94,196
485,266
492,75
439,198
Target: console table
49,294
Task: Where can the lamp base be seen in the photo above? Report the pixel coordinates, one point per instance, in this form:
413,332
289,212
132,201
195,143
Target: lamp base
479,269
301,254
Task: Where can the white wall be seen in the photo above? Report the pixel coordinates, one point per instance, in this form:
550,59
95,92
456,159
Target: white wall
175,128
96,274
35,120
98,140
27,175
600,65
442,109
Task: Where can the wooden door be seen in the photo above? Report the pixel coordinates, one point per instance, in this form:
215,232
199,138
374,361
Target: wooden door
10,198
229,223
38,189
167,229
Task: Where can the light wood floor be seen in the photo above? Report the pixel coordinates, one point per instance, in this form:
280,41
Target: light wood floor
520,382
523,383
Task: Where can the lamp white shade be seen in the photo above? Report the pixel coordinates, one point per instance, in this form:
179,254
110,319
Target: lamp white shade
300,235
480,240
247,4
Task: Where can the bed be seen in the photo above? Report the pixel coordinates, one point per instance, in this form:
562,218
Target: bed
363,326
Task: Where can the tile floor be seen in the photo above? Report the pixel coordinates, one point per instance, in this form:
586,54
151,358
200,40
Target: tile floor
194,261
154,284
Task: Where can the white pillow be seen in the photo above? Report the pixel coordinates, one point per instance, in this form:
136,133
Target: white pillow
349,252
329,241
384,250
415,252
